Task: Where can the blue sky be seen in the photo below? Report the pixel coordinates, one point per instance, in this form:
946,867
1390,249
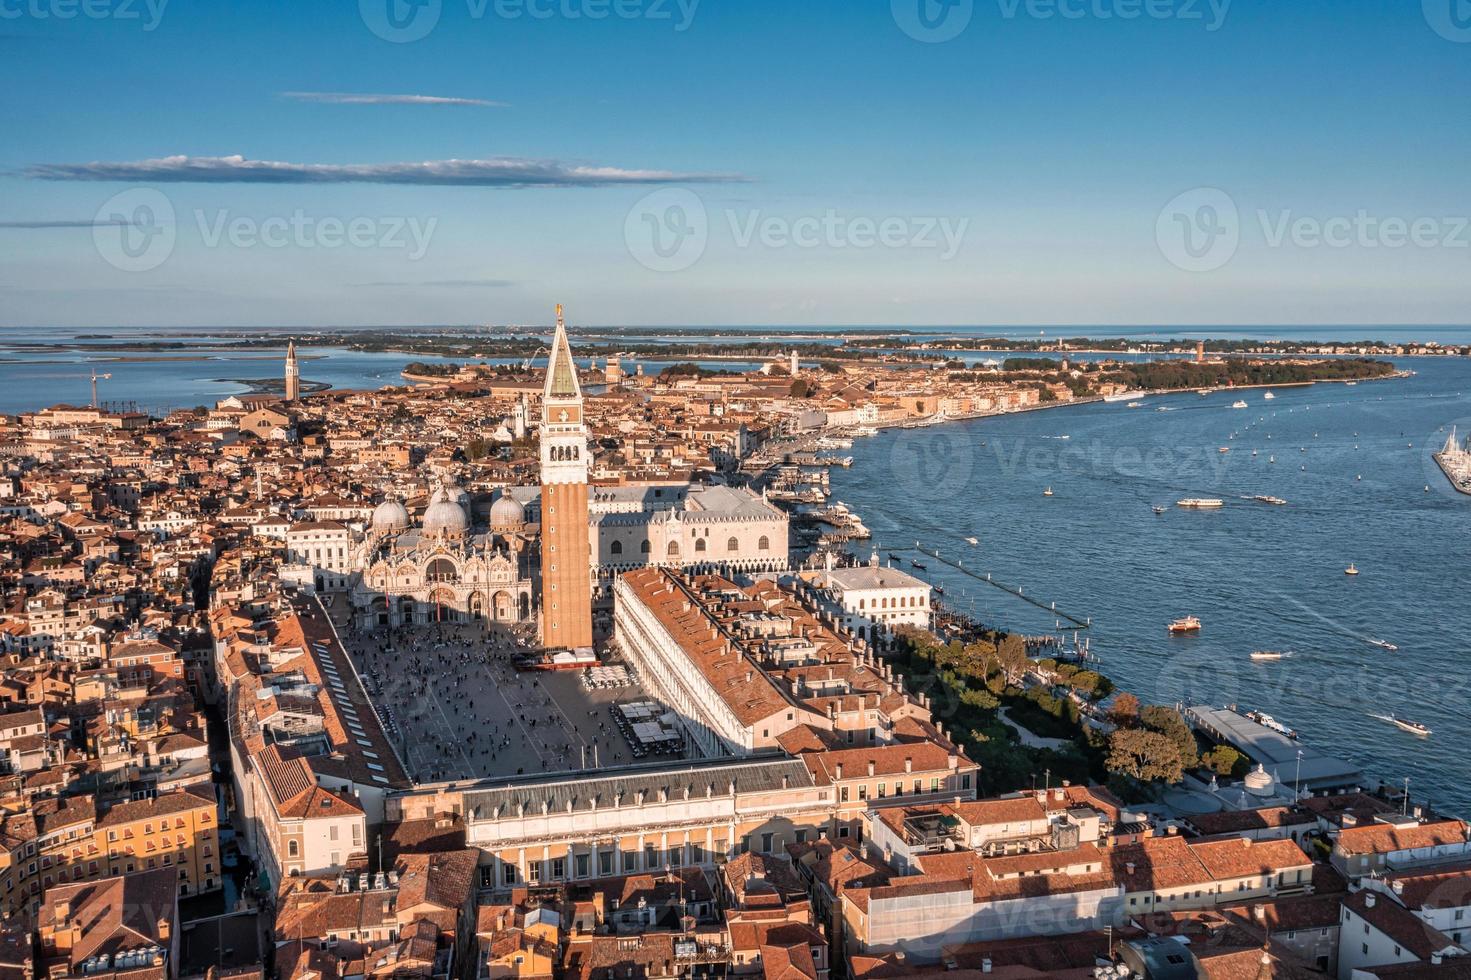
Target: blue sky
794,162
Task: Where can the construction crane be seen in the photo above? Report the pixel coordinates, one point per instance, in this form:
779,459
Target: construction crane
95,377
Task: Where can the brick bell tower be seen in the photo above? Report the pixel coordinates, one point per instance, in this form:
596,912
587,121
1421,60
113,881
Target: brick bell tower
566,565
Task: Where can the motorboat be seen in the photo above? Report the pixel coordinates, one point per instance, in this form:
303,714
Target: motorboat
1185,624
1413,727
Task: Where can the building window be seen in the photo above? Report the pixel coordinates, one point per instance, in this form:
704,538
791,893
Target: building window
732,546
764,544
616,548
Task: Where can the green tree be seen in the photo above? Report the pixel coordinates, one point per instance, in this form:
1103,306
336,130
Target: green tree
1144,755
1225,761
1167,722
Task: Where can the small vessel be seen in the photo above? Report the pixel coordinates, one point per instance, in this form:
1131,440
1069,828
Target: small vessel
1135,404
1186,624
1413,727
1270,654
917,564
1224,449
939,590
1267,721
1352,569
1384,645
894,557
1201,503
1269,396
1048,492
1239,404
972,541
1160,510
1274,501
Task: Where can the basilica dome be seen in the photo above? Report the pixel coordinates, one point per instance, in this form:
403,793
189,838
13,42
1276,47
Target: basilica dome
445,516
390,516
506,512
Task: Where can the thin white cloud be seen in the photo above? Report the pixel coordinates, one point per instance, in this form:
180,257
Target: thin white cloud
362,98
443,284
504,172
84,223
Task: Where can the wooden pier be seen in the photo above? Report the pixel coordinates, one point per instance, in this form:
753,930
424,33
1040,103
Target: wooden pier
1074,622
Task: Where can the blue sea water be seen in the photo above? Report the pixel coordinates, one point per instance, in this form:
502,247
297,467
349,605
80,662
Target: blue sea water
1354,464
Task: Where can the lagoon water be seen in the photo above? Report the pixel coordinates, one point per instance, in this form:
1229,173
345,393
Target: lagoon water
1352,461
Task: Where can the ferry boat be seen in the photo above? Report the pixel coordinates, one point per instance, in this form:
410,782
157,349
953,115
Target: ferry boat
1186,624
1270,654
1200,503
864,431
1274,501
1413,727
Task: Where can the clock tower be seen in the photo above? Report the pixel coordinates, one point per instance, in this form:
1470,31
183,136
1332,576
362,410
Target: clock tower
566,564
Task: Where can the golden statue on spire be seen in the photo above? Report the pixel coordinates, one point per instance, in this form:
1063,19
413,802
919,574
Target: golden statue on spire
559,315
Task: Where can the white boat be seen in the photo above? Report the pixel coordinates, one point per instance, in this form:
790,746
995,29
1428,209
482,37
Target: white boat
1200,503
1352,569
1270,654
1047,492
1413,727
1269,396
1239,404
972,541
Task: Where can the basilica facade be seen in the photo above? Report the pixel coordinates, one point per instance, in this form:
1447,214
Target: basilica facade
444,570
